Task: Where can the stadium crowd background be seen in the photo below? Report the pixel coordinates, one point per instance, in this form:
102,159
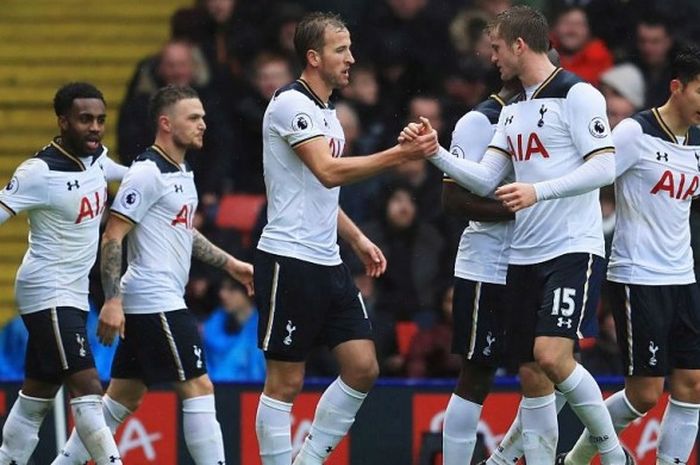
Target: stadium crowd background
414,57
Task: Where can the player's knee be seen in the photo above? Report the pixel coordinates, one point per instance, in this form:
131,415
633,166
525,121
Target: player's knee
362,374
284,388
474,382
534,381
550,361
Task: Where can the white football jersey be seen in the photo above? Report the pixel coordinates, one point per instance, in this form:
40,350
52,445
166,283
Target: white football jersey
64,197
549,134
159,197
484,246
302,214
658,176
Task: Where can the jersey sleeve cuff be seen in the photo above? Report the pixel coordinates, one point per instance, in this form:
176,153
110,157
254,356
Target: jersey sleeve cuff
598,151
304,141
505,153
122,216
7,208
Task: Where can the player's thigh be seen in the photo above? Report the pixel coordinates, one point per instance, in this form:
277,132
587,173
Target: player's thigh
357,359
194,387
345,318
58,344
523,293
478,311
292,299
643,317
570,295
685,330
685,385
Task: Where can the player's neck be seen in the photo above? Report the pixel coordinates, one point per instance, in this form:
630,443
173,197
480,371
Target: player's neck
317,85
673,118
171,150
65,145
536,70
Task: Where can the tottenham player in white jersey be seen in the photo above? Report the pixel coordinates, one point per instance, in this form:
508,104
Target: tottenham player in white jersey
656,301
304,292
557,140
160,342
63,188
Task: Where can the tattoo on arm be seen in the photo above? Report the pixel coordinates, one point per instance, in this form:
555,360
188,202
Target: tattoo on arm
111,268
207,252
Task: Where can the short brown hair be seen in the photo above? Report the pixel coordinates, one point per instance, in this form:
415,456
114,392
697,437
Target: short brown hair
166,97
524,22
309,34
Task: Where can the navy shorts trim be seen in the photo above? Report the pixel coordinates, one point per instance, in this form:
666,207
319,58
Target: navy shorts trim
160,348
303,305
478,312
58,344
658,327
556,298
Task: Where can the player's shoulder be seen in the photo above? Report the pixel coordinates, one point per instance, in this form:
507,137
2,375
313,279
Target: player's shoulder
628,130
295,94
653,125
156,161
693,136
57,159
559,84
490,108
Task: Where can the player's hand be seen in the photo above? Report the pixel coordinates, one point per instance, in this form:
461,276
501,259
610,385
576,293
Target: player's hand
111,322
517,195
242,272
425,144
410,132
371,256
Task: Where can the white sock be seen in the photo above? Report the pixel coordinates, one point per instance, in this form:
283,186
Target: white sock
202,431
679,428
510,449
335,414
74,452
20,435
586,400
93,431
622,414
540,432
459,431
273,427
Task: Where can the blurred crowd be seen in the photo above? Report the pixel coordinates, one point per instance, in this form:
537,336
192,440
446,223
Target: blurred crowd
414,57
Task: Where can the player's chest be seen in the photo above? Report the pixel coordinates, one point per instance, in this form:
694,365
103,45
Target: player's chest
670,171
177,205
534,129
78,197
332,130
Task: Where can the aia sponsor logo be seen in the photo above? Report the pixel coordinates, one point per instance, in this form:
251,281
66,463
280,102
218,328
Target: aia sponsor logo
675,185
525,147
91,206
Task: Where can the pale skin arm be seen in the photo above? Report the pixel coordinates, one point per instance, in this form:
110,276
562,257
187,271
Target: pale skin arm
204,250
366,250
111,321
333,172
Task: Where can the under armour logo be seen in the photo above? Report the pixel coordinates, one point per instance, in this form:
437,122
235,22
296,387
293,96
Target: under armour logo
178,187
509,120
290,329
81,342
564,322
329,449
13,463
220,462
661,156
489,340
198,353
113,459
543,110
73,184
653,349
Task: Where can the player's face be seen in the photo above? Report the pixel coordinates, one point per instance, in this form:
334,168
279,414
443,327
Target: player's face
336,58
187,123
84,125
504,57
690,101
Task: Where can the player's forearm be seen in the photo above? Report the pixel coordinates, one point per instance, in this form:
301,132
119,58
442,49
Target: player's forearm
595,173
347,229
207,252
480,178
460,202
111,267
346,170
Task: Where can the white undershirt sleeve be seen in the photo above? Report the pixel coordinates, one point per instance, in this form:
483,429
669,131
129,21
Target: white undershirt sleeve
113,170
480,178
625,136
595,173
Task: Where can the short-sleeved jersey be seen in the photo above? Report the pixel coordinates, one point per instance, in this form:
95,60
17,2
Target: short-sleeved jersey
658,176
64,196
302,214
548,135
484,246
159,197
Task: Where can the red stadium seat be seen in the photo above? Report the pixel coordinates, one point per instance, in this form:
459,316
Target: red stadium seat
240,212
405,330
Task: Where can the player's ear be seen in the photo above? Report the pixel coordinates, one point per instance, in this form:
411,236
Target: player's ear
164,123
313,57
675,86
63,122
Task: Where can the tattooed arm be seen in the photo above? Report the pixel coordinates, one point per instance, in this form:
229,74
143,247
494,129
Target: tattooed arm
207,252
112,319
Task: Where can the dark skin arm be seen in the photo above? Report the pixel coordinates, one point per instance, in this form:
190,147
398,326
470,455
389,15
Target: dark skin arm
458,201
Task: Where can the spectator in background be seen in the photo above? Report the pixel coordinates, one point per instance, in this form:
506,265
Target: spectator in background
579,52
408,290
176,64
279,34
270,71
654,49
230,336
624,90
603,356
364,95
